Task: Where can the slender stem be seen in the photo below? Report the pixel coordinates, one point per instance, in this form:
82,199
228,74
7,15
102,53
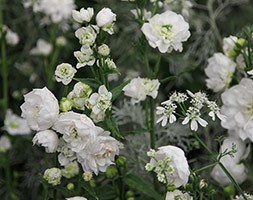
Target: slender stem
152,123
8,176
221,165
4,63
213,20
205,167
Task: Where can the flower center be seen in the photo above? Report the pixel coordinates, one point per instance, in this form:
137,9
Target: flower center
166,31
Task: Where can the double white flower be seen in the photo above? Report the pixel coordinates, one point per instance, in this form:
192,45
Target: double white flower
166,31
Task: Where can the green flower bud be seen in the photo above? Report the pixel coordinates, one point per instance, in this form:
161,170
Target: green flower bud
70,186
129,193
104,50
232,54
241,42
70,170
65,104
229,190
111,172
170,188
121,161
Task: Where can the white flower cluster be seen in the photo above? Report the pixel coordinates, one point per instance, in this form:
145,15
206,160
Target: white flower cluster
166,31
231,162
87,35
240,197
192,114
170,165
139,88
80,139
11,37
56,10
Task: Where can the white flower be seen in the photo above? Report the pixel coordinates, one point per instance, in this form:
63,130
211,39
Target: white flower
139,88
86,35
79,95
238,109
5,144
53,176
176,167
193,116
57,10
40,109
97,117
42,48
47,139
231,162
66,154
70,170
229,44
84,15
84,57
10,36
99,153
105,19
104,50
250,72
219,71
177,194
15,125
101,101
76,198
64,73
76,129
166,31
167,112
108,63
61,41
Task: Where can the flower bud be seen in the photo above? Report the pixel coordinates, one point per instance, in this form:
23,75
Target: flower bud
104,50
87,176
65,104
61,41
129,193
203,184
70,170
111,172
70,186
53,176
121,161
241,42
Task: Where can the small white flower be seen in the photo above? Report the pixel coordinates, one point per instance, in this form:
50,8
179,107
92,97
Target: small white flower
86,35
167,112
219,71
177,194
10,36
83,16
79,95
5,144
229,44
42,48
47,139
166,31
101,101
171,161
193,116
15,125
105,19
64,73
53,176
139,88
61,41
250,72
40,109
84,57
104,50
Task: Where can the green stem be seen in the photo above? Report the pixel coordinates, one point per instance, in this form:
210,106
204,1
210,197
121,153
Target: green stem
8,176
152,123
221,165
4,63
213,21
204,168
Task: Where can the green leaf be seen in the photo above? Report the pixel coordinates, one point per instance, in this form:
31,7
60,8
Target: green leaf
89,81
138,183
117,90
113,127
106,192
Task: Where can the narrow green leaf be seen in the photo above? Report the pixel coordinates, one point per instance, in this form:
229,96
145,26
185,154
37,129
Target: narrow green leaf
113,127
89,81
117,90
143,186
